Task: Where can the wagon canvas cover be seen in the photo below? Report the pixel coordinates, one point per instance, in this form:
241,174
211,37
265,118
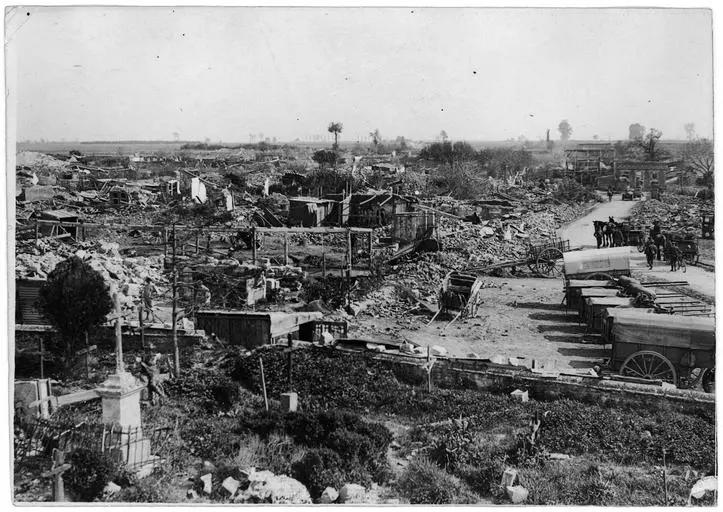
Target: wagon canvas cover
641,327
597,260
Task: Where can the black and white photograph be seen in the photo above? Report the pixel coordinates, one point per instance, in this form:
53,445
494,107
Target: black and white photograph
378,256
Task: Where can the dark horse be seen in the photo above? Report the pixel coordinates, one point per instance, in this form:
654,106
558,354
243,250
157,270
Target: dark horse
660,243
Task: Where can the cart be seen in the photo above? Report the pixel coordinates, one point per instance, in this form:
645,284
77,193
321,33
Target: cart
460,293
542,258
636,238
627,194
676,349
601,264
688,246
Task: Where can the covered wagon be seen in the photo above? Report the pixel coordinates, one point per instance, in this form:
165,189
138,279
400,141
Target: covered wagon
602,264
588,293
595,309
672,348
574,287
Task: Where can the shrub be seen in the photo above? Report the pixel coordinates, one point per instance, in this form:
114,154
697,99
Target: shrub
147,490
206,388
318,469
423,482
89,473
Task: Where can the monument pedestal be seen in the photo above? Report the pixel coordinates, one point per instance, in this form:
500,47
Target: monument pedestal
121,401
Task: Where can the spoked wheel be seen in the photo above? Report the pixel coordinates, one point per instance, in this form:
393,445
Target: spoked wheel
690,259
650,365
550,261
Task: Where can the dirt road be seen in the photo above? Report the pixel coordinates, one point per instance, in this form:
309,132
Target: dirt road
580,234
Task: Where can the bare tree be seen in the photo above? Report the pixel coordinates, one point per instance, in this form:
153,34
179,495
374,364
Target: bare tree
335,128
699,156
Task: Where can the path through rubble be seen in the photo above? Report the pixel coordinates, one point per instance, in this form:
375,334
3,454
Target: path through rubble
580,234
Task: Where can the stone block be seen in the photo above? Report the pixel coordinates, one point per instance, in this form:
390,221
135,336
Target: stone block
289,402
522,396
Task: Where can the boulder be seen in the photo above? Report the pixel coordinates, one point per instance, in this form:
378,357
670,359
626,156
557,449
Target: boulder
352,493
265,487
231,485
206,479
517,494
705,484
111,488
329,495
509,478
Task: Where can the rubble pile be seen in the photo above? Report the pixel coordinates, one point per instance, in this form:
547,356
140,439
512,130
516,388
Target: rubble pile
38,261
676,213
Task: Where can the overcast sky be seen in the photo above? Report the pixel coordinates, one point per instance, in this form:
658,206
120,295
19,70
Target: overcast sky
104,73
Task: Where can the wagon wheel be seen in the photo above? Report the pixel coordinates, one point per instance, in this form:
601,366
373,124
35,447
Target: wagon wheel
549,262
650,365
691,258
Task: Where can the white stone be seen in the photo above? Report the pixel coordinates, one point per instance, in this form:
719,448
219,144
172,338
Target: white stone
520,395
265,487
329,495
705,484
437,350
111,488
289,402
206,479
352,493
517,494
231,485
509,478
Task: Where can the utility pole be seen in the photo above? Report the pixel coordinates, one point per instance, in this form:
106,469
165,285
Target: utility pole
176,354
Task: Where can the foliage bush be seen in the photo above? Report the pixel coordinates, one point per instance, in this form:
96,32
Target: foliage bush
423,482
75,298
318,469
206,388
89,473
147,490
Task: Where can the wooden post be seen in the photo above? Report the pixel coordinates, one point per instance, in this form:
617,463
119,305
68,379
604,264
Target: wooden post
369,248
118,336
174,331
286,248
429,371
37,231
87,355
323,265
290,342
196,242
165,243
348,249
208,244
254,236
263,384
42,357
141,326
665,479
59,467
44,407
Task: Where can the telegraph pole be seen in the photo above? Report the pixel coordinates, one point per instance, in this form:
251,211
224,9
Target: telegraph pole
176,354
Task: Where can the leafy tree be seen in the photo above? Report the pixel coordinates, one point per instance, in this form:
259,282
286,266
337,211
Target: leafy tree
376,137
401,143
443,136
325,158
636,131
335,127
75,299
565,130
447,153
650,143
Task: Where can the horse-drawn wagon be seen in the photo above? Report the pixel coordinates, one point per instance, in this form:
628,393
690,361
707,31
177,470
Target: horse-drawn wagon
676,349
543,257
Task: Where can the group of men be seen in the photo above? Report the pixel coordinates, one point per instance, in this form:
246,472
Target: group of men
657,241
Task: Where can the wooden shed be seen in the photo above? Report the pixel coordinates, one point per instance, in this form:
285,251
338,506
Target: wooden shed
252,329
27,292
309,211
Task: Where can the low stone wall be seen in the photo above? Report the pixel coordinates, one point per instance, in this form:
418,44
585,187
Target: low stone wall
486,376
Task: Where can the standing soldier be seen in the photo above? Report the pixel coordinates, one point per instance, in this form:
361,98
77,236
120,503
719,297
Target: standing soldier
610,193
650,252
149,290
